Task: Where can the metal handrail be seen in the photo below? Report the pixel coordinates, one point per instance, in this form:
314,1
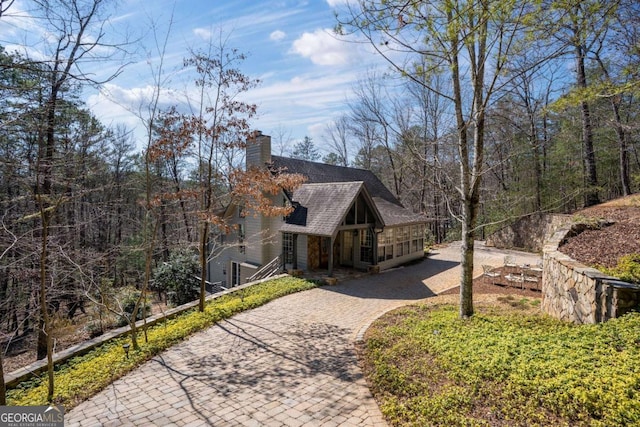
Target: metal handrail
268,270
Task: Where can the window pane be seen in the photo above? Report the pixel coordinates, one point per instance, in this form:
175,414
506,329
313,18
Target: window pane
287,247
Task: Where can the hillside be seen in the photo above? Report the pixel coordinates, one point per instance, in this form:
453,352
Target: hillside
606,245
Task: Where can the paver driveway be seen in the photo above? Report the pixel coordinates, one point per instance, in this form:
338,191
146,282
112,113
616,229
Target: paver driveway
288,363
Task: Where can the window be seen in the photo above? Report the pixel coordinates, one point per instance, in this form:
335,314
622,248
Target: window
401,238
414,238
287,248
417,238
366,246
241,246
385,245
235,273
400,241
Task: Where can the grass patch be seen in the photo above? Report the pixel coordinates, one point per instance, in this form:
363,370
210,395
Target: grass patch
521,303
503,367
83,376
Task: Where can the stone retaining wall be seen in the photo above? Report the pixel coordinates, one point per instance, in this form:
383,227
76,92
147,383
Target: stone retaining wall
528,233
574,292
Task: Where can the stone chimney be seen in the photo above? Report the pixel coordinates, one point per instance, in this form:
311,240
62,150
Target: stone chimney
258,149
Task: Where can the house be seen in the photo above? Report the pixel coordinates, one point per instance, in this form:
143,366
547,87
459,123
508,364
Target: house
343,217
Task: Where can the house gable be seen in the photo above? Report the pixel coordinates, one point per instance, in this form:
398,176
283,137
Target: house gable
321,209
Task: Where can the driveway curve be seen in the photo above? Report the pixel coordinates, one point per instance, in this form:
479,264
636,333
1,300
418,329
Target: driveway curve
291,362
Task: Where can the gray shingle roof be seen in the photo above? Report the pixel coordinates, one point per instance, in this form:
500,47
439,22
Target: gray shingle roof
323,173
393,214
322,207
322,202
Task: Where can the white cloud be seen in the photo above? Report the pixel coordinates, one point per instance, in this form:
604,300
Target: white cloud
334,3
277,35
115,104
203,33
323,48
17,21
302,102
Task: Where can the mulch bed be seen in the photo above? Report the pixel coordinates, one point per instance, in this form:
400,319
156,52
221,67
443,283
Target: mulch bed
480,286
605,246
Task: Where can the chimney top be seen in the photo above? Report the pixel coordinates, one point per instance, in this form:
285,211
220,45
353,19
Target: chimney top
258,151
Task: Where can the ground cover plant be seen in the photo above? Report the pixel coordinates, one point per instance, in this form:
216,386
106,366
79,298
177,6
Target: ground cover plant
503,367
83,376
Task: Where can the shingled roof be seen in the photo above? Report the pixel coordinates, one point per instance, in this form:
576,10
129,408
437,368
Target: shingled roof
321,207
321,203
393,214
324,173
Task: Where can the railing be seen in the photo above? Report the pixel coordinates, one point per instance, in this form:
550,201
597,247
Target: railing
271,269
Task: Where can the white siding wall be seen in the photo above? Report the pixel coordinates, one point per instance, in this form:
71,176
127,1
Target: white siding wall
253,238
221,264
246,271
302,252
274,247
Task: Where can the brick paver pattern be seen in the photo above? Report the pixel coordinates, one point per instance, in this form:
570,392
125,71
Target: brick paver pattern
291,362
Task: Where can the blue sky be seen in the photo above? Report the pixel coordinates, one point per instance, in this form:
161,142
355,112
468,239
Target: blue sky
306,73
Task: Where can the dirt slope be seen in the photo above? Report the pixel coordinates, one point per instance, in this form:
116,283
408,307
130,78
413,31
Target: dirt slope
605,246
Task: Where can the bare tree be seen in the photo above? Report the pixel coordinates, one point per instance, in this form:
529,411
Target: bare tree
371,110
427,149
76,36
470,43
579,27
337,134
149,113
219,128
282,140
10,244
4,6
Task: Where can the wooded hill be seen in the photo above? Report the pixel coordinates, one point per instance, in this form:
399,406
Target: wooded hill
85,210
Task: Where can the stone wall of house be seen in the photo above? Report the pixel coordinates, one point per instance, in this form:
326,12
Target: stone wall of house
313,255
528,233
574,292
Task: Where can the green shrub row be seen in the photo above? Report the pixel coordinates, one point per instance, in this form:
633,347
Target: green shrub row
83,376
627,269
428,367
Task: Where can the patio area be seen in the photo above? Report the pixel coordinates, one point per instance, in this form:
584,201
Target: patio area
514,274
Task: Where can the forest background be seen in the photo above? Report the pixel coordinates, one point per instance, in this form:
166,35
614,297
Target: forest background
89,210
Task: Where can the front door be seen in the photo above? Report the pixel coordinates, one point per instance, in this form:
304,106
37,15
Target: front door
346,255
325,242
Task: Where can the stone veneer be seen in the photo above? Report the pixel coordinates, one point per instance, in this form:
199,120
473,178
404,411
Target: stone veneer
574,292
529,233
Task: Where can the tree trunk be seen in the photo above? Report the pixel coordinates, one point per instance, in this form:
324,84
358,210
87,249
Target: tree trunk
3,389
591,179
44,332
466,271
204,245
623,157
536,162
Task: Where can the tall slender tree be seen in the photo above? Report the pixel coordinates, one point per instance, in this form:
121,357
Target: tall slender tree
470,42
216,130
579,27
75,35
